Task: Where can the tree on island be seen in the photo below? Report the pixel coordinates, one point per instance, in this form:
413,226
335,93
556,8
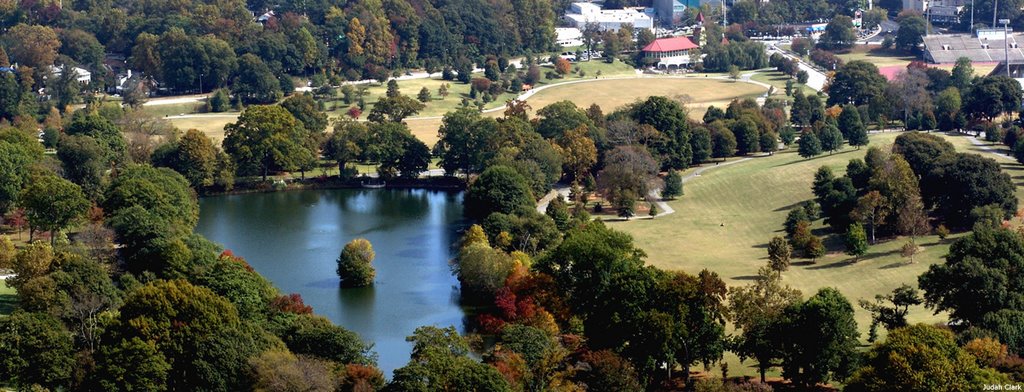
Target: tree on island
354,264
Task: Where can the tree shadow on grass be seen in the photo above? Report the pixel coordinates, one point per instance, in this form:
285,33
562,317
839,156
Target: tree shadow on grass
8,303
845,151
746,277
897,264
838,264
789,207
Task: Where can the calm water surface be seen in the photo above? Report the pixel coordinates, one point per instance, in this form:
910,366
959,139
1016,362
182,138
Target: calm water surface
294,238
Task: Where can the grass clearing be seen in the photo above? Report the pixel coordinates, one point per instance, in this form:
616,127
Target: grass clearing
874,54
727,216
778,80
611,94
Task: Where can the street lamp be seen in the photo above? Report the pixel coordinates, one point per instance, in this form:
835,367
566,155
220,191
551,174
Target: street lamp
1006,43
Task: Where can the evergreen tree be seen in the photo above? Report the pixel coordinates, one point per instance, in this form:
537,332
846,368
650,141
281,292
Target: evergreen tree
809,145
673,185
831,139
424,95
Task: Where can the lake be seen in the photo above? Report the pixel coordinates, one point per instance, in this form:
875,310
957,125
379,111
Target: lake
294,238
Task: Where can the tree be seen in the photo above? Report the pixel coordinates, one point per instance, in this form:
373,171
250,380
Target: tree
37,350
700,144
838,34
814,248
979,181
440,362
482,270
756,310
746,136
779,252
894,316
264,139
130,365
579,153
912,221
424,95
856,241
304,108
347,143
831,138
286,372
873,209
723,143
962,74
607,371
562,66
316,336
52,203
15,161
852,127
198,332
912,29
464,141
978,276
734,72
32,45
558,211
497,189
809,145
820,339
394,109
768,142
255,82
355,267
392,91
856,82
194,156
629,173
673,185
919,357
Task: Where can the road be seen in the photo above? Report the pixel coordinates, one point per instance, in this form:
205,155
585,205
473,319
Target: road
815,78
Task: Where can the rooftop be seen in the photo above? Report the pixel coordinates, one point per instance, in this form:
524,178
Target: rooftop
670,45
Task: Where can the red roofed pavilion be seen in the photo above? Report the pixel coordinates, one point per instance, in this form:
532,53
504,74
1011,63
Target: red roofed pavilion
670,52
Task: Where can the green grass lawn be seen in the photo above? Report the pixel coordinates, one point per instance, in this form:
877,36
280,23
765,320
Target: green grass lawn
876,55
457,91
8,299
727,216
778,80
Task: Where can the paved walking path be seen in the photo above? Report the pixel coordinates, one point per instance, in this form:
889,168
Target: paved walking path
988,148
655,194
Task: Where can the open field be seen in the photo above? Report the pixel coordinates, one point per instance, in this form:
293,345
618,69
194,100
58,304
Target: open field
611,94
876,55
778,80
727,216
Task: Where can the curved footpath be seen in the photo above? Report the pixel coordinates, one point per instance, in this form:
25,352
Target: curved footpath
563,191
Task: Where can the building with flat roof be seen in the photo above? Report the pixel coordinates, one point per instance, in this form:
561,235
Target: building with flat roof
670,12
567,37
580,14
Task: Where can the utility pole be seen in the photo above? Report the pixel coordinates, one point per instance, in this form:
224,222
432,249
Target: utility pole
972,16
1006,43
995,9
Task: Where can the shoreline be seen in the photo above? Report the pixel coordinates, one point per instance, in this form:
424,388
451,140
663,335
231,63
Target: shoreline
319,183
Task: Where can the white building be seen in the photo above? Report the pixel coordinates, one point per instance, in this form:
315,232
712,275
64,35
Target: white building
580,14
83,75
568,37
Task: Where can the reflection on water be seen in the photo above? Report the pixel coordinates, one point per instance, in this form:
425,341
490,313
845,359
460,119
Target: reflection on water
294,238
